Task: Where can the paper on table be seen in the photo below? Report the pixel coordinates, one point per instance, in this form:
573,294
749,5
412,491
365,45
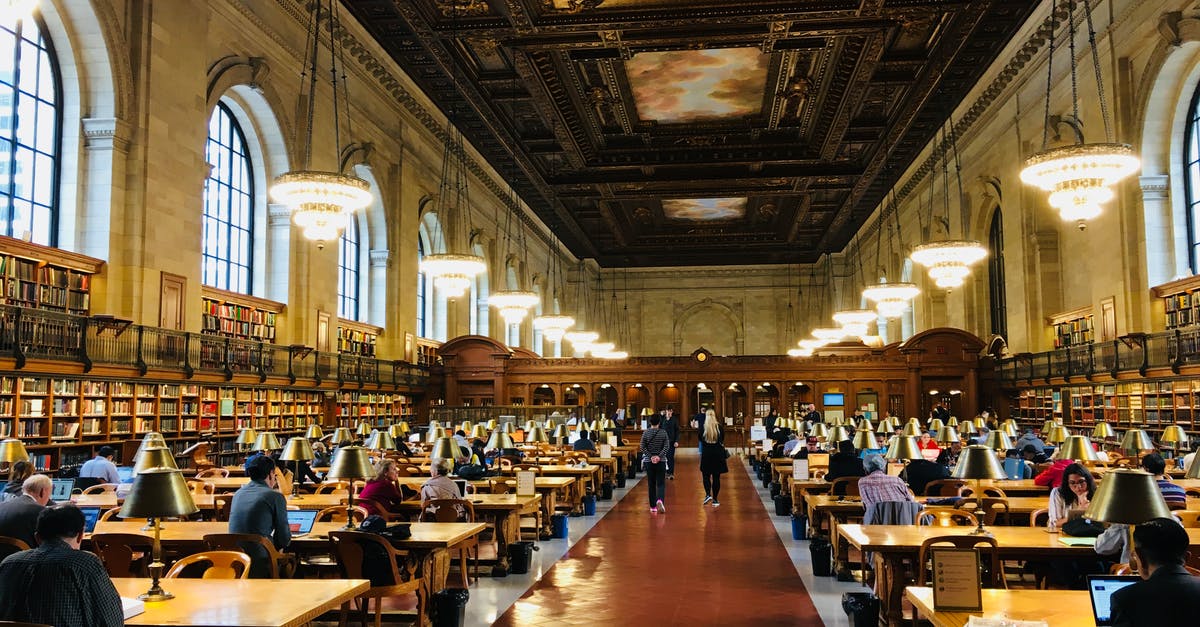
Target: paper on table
526,483
982,621
132,607
729,421
605,451
612,440
800,469
758,432
1073,541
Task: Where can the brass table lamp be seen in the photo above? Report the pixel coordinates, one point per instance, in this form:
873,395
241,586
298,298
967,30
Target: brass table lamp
491,424
538,434
936,425
1127,497
363,429
819,431
297,450
245,439
1048,426
1174,435
888,425
998,441
500,440
967,427
350,463
1193,471
266,442
13,450
952,421
947,435
1058,435
1078,448
1136,441
433,434
314,432
383,441
444,448
864,439
562,435
911,429
838,434
979,422
1010,428
480,432
158,493
978,462
342,434
154,457
903,448
152,438
865,423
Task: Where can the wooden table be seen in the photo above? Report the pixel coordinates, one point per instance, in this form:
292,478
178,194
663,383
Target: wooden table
109,500
241,602
504,510
336,498
1059,608
226,484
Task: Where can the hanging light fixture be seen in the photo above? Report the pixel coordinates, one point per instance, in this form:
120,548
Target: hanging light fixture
514,305
891,299
1080,176
855,322
554,325
948,261
322,202
828,334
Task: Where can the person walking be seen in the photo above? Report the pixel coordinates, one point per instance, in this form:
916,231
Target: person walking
670,424
653,450
712,458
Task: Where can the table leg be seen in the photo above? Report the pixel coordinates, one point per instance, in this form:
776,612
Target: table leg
433,567
889,587
508,526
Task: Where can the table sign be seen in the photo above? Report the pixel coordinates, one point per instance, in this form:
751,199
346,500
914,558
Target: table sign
612,440
758,422
800,469
956,585
526,483
728,421
758,432
605,451
768,444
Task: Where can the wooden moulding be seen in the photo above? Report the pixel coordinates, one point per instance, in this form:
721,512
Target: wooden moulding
1179,286
52,256
1067,316
245,300
355,325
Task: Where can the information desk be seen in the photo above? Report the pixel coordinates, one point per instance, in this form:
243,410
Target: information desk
241,602
1059,608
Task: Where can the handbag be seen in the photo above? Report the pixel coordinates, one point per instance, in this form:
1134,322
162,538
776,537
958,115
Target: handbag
1082,528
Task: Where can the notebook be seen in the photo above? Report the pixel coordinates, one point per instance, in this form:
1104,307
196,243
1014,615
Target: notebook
61,491
125,473
1101,589
300,521
91,515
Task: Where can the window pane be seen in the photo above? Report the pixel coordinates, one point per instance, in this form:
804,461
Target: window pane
229,219
30,116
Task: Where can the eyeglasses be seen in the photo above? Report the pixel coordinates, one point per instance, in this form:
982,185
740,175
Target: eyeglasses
1077,482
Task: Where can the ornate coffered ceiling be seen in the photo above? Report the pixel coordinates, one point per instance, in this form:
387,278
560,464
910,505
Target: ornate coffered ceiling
697,132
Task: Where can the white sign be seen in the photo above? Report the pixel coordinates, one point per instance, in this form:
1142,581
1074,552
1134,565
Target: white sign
729,421
526,483
758,432
612,440
605,451
800,469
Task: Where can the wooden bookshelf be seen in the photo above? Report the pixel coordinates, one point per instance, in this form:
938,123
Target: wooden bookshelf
239,316
357,338
1147,403
1181,302
378,409
40,277
1073,328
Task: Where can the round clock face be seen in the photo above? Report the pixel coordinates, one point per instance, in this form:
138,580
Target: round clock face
701,356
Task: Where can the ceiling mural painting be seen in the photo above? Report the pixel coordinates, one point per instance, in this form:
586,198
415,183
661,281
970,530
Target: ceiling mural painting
696,132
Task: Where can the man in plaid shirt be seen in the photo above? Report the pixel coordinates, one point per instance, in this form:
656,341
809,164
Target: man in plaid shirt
879,486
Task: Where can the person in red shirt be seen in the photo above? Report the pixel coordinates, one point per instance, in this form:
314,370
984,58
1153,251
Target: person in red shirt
1052,476
383,490
927,443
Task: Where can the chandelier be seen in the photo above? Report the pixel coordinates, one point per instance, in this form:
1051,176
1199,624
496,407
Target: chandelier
322,203
513,304
949,262
553,326
829,334
891,299
855,322
598,349
582,341
1078,177
452,274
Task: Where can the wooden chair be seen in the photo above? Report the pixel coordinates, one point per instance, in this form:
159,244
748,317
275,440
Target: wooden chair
113,513
1040,517
945,517
818,474
847,486
537,470
222,506
9,545
406,469
1192,492
968,491
944,487
198,488
448,510
995,509
499,485
995,568
333,486
361,554
123,554
338,514
221,565
215,473
280,565
375,509
102,488
1120,569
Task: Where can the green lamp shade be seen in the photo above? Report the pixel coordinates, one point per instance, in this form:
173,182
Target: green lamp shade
350,462
267,441
297,450
978,462
903,447
1128,497
314,432
158,493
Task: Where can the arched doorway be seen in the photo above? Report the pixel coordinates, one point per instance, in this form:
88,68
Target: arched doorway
543,395
606,400
669,396
766,398
735,404
702,398
574,395
637,398
798,394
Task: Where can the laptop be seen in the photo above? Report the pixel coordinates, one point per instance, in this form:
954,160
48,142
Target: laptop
61,491
125,473
463,486
1014,467
1101,589
300,521
91,515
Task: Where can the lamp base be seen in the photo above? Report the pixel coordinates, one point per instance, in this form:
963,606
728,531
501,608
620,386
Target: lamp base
156,593
980,531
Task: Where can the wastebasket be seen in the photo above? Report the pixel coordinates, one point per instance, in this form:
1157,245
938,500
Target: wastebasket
558,526
449,607
589,506
862,608
783,505
821,551
606,491
620,480
799,526
519,556
775,488
766,478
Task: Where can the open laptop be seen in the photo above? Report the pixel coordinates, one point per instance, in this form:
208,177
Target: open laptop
463,486
1101,589
300,521
125,473
91,515
61,490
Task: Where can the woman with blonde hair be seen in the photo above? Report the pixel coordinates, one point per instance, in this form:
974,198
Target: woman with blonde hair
712,458
383,490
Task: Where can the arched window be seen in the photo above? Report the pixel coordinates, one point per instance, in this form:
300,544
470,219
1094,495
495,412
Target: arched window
29,132
479,309
228,205
421,280
1191,182
348,272
997,298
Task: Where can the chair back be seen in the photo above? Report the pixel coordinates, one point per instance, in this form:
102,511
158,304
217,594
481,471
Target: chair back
844,486
498,485
117,552
1040,517
364,555
263,555
946,517
818,473
222,506
944,487
534,468
215,472
9,545
338,514
102,488
408,470
447,510
213,565
994,567
333,486
201,487
969,491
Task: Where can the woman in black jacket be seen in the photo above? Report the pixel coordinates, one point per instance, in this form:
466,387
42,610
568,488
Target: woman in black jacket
712,458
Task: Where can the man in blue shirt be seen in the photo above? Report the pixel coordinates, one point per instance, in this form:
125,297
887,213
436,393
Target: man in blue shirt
101,466
260,509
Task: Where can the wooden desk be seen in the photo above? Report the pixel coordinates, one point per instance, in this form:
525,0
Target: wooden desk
226,484
504,510
109,500
1060,608
241,602
320,501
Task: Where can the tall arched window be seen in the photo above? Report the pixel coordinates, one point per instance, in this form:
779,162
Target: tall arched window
998,299
348,272
29,132
479,311
1191,182
228,205
421,279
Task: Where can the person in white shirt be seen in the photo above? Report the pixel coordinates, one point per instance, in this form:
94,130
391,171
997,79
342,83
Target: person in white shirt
101,466
791,445
1187,459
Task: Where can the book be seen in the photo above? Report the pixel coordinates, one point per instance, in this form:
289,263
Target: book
1073,541
132,607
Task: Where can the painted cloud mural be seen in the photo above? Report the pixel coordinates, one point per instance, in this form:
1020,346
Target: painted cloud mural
690,85
704,209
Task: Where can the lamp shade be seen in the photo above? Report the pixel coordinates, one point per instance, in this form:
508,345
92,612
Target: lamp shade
13,450
1009,428
383,442
967,427
465,427
865,423
538,434
839,434
350,462
500,440
314,432
888,424
404,428
154,457
978,462
952,421
152,439
342,434
1128,497
1193,471
562,433
246,437
1103,431
297,450
979,422
1047,426
646,411
911,429
947,435
491,424
606,424
819,431
479,431
266,441
936,425
1174,434
1077,447
445,448
998,441
864,438
903,447
363,429
506,427
434,434
1136,441
158,493
1058,434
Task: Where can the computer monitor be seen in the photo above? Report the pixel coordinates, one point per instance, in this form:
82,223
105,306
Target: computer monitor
61,490
463,486
125,473
300,521
1101,589
91,515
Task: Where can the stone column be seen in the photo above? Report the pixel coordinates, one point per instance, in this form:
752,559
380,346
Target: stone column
1169,258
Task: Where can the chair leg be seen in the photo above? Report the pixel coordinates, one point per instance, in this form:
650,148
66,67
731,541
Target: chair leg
378,611
462,565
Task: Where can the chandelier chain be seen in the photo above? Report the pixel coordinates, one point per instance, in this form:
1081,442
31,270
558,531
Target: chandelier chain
1071,48
1049,77
310,72
337,32
1087,11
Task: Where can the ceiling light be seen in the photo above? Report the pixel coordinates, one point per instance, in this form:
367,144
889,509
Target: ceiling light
949,262
601,347
891,299
855,321
514,305
553,326
452,273
829,334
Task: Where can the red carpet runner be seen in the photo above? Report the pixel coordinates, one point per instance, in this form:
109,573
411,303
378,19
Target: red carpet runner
690,566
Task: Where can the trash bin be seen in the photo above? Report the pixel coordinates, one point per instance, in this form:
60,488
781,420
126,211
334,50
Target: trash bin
799,526
821,551
519,556
766,478
558,526
589,507
620,480
862,608
449,607
783,505
775,488
606,491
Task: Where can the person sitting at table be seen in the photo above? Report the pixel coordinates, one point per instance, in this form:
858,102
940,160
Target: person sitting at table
17,474
878,486
1074,493
927,443
1053,475
793,443
18,517
1028,438
101,466
383,490
260,509
321,455
981,436
1168,594
584,443
439,485
844,463
919,472
56,583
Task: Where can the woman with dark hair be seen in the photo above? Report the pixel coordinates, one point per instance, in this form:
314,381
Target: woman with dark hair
17,475
1074,493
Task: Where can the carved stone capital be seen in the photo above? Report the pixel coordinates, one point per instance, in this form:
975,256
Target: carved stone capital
1154,187
278,215
379,258
105,134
